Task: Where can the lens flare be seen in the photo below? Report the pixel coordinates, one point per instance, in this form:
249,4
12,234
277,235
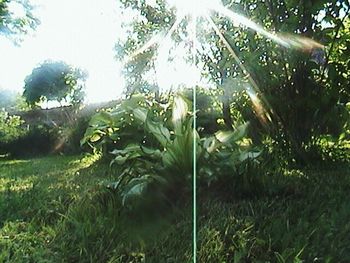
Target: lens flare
193,11
194,8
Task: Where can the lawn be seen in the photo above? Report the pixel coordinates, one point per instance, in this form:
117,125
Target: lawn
34,196
56,209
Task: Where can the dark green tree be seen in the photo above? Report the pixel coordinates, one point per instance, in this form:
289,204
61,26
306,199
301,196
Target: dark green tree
55,81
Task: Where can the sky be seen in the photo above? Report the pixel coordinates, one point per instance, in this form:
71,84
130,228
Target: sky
81,33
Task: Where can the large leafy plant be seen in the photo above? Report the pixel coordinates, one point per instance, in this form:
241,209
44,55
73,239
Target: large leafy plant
150,146
230,163
148,142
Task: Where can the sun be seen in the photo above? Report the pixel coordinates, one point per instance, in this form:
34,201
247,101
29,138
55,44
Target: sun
198,14
194,8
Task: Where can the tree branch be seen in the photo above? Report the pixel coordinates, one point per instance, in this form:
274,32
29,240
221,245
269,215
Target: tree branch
333,43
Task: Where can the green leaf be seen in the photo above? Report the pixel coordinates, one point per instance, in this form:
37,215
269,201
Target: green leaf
140,114
232,136
100,118
157,129
135,188
95,138
243,156
180,111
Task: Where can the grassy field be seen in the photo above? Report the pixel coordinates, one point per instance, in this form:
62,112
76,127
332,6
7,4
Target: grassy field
55,209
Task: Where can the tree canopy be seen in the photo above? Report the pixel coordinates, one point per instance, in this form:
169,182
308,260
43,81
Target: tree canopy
310,75
55,81
16,19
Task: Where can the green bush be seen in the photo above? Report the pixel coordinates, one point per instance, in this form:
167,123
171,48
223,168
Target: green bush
10,128
150,145
70,134
35,140
20,140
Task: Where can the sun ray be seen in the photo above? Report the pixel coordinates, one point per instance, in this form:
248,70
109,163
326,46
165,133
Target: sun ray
163,51
242,20
232,52
153,41
156,39
193,30
288,40
194,7
192,11
253,94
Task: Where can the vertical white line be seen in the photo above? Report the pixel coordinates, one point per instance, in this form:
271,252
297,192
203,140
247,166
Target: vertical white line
194,50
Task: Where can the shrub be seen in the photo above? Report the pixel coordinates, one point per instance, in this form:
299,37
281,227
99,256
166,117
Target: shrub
10,127
70,134
150,144
35,140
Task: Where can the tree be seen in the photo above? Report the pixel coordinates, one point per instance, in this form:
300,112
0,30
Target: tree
55,81
7,98
308,79
12,100
16,19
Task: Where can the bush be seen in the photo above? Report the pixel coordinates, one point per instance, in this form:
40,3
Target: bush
35,140
69,136
150,145
17,139
10,128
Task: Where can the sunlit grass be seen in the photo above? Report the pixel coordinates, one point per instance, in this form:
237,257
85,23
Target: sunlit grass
56,209
62,214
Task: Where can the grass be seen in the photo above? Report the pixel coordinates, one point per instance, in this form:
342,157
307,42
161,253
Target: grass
306,222
33,195
54,209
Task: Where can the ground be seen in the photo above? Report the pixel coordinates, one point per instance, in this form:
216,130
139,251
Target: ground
56,209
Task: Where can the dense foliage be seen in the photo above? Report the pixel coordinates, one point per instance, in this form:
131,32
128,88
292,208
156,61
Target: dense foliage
9,127
299,74
18,139
150,143
55,81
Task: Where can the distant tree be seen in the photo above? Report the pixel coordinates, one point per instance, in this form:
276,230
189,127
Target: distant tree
12,100
16,19
55,81
7,98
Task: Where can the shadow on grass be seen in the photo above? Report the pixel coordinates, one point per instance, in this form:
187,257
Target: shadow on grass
306,220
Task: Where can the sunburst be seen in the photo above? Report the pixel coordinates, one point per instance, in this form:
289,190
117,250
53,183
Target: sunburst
193,11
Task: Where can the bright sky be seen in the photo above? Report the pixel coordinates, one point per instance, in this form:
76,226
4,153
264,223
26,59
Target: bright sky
81,33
